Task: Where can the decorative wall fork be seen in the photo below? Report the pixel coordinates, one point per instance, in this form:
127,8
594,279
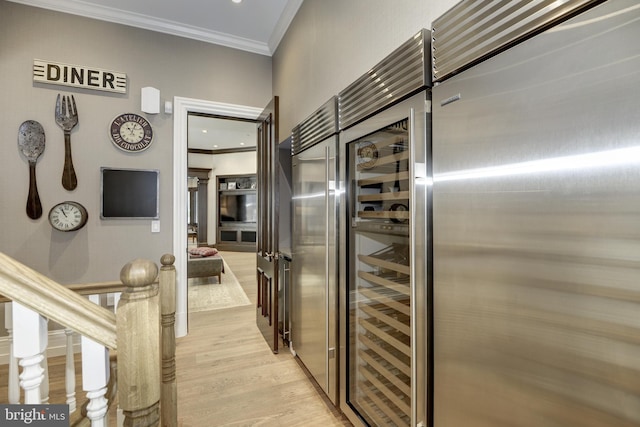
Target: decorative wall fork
67,118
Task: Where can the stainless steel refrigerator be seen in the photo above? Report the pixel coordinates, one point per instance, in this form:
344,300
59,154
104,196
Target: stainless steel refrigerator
385,293
536,214
314,246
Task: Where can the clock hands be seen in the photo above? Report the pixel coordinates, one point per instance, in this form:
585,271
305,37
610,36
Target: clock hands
68,216
133,129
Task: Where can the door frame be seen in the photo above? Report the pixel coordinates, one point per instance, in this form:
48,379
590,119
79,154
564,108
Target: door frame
181,109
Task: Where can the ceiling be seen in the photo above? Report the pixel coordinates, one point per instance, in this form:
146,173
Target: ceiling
252,25
210,133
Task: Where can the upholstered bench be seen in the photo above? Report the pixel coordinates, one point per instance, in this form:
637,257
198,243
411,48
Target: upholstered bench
205,267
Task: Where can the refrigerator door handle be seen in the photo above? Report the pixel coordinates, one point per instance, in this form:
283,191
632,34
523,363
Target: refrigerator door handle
413,168
327,194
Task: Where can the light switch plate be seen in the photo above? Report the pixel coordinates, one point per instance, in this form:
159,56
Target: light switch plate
155,226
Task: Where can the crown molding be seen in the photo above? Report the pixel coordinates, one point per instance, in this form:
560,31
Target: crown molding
283,23
103,13
220,151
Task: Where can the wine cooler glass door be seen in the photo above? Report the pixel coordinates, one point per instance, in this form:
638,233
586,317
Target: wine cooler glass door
380,277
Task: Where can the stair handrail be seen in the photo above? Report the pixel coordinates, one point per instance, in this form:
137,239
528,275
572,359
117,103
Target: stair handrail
86,289
143,319
56,302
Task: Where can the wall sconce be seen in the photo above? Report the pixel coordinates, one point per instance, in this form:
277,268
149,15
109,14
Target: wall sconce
150,100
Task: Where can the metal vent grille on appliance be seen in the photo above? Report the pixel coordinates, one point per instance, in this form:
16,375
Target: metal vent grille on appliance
320,125
474,30
402,73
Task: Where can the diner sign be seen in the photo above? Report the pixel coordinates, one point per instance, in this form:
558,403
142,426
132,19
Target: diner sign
80,76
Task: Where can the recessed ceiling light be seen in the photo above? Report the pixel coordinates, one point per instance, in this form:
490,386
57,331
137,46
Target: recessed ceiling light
215,146
242,143
204,131
237,1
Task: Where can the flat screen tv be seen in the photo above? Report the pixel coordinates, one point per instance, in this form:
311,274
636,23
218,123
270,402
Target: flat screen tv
238,208
129,193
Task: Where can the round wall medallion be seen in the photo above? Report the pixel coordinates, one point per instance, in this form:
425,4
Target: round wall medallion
131,132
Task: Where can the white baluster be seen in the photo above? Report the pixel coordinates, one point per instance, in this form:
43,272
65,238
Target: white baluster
13,388
116,299
44,387
70,373
98,407
95,376
30,342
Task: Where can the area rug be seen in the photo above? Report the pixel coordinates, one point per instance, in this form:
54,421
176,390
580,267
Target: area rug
207,294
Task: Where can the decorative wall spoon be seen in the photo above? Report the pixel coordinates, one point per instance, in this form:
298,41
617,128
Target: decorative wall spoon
31,141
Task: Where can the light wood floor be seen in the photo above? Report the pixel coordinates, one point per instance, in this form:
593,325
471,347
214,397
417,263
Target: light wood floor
228,376
226,373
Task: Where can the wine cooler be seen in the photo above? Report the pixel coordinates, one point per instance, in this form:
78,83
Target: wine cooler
385,306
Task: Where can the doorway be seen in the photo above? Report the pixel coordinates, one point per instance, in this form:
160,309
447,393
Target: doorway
221,152
182,107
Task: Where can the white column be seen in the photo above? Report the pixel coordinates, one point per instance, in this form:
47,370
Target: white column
95,377
30,342
13,387
70,373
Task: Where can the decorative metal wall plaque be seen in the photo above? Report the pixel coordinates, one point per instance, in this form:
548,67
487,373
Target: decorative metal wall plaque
81,76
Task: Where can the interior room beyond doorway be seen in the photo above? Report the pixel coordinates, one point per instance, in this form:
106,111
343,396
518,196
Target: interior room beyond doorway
221,182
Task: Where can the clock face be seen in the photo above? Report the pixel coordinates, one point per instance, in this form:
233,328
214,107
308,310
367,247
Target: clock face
131,132
68,216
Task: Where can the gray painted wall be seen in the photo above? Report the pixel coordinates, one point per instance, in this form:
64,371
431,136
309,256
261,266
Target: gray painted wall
176,66
331,43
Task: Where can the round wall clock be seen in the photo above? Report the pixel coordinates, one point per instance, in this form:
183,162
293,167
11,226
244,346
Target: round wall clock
131,132
68,216
399,207
367,154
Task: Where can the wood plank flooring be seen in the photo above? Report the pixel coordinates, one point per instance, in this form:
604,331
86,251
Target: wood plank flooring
227,375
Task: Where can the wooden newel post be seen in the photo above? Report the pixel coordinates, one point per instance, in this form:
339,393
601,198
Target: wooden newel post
168,392
138,335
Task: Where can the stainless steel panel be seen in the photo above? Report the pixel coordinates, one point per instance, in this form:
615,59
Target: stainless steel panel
314,265
384,340
319,126
402,73
537,233
472,30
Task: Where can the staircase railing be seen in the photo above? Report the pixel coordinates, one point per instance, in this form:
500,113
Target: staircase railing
140,333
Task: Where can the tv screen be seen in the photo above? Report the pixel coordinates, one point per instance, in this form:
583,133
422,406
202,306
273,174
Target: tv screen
129,193
238,208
